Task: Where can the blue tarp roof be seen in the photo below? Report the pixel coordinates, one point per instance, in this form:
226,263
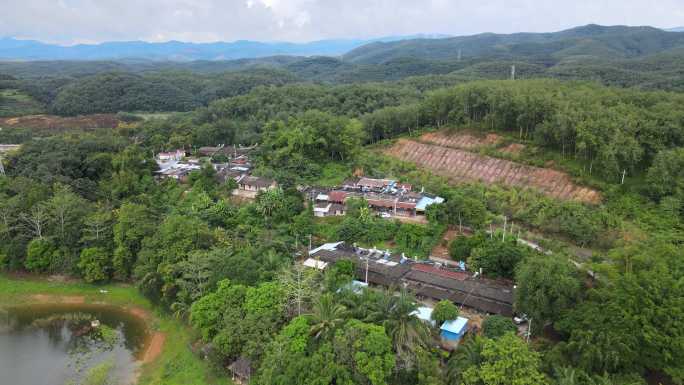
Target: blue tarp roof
456,326
426,201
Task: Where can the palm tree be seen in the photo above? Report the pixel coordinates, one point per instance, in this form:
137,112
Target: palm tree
566,376
468,354
407,331
327,315
381,304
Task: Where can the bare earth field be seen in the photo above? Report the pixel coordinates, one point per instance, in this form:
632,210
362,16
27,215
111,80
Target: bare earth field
59,123
460,140
462,166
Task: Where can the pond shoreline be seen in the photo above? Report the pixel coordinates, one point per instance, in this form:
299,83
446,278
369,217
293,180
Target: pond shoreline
167,360
154,343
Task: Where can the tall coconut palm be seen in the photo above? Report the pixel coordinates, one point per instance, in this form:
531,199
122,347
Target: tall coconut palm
380,304
326,316
407,331
468,354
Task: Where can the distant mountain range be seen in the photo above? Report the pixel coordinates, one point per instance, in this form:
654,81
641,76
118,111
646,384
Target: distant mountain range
678,29
584,43
590,41
15,49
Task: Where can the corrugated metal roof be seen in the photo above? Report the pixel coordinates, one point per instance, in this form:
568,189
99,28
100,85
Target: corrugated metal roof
325,246
337,196
320,265
456,326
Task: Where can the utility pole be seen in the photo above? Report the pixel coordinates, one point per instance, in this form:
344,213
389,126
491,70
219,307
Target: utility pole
309,244
529,330
624,172
513,72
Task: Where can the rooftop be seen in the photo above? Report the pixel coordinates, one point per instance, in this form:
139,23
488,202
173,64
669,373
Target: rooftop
424,279
424,313
320,265
256,181
455,326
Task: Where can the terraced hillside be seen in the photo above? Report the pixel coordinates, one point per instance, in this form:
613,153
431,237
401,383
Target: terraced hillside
460,165
462,141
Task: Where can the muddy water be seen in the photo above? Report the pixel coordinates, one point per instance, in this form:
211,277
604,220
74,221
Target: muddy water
56,344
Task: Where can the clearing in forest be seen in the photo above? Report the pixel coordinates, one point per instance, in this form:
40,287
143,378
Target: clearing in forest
59,123
460,165
15,102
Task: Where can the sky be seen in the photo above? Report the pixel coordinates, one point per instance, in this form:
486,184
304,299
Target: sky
92,21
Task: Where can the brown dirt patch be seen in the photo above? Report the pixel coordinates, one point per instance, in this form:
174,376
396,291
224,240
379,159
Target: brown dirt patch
513,148
463,141
442,248
459,165
154,347
140,313
69,299
60,123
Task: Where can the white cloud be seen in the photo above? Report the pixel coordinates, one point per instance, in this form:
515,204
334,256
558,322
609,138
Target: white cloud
69,21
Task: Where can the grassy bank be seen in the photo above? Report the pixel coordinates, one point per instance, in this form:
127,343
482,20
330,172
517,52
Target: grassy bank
176,365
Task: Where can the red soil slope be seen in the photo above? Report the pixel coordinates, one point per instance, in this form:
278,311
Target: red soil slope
459,165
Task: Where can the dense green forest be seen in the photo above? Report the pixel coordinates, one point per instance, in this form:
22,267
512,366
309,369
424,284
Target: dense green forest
110,87
601,104
87,204
639,57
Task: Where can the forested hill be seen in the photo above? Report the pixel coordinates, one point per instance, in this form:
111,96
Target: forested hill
605,42
641,57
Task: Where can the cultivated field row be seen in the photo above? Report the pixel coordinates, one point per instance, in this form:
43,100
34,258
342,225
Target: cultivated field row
459,165
58,123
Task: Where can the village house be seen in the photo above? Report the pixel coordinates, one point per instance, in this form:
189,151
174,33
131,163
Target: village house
424,278
171,155
384,196
249,186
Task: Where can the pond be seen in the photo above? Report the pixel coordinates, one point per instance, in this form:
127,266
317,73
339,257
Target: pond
70,344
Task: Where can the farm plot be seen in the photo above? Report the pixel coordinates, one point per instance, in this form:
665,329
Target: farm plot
459,165
59,123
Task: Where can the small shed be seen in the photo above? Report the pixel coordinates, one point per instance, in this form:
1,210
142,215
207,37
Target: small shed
452,331
241,370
